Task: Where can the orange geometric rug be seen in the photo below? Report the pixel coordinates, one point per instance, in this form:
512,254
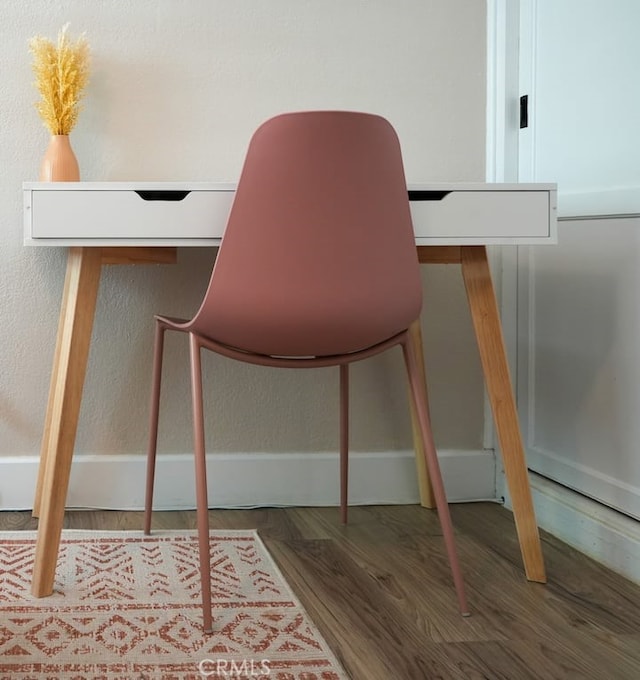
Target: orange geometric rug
127,607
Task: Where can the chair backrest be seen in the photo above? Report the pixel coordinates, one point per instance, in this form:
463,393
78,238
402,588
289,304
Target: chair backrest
318,257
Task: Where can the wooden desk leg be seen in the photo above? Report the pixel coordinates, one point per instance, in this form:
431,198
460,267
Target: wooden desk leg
426,493
70,362
486,321
44,447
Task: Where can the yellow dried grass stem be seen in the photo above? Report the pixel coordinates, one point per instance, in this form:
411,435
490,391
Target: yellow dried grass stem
62,73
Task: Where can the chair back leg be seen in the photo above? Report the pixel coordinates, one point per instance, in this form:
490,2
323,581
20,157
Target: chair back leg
202,503
344,442
158,350
421,405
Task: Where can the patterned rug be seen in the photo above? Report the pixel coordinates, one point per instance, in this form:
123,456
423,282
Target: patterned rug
127,607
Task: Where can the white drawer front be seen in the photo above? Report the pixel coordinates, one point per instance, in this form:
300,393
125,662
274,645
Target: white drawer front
469,215
114,213
87,214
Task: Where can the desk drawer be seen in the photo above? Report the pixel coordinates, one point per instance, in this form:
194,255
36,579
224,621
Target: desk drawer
196,213
130,214
480,215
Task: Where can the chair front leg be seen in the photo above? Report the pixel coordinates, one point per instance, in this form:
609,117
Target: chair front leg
421,407
202,503
154,410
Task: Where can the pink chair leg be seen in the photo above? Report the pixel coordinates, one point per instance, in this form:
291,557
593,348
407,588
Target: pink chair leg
421,404
158,347
202,504
344,442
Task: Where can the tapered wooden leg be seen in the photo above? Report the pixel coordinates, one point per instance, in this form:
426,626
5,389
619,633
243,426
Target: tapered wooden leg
426,492
46,434
486,321
154,413
70,362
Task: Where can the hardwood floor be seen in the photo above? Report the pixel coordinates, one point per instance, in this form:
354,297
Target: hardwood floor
380,591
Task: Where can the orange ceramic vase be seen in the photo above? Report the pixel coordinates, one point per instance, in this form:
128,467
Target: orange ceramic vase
59,163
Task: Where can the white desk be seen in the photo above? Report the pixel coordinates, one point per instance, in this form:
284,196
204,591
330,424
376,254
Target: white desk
132,223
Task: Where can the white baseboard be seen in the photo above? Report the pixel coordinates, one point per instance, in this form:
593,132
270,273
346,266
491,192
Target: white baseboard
607,536
250,480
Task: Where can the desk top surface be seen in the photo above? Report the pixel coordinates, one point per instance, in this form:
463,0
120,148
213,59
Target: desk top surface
231,186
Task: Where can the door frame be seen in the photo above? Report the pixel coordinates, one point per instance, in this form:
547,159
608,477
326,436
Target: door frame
501,165
510,41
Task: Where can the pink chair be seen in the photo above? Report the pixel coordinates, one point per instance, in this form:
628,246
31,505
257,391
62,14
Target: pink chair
317,267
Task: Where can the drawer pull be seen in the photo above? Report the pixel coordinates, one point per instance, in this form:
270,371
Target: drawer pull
161,195
419,195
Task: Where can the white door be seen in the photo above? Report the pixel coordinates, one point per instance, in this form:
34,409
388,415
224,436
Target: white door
578,358
580,68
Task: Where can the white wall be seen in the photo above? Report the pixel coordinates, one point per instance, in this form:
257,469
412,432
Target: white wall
177,87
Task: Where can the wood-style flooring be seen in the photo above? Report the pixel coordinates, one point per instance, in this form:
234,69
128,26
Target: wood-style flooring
379,590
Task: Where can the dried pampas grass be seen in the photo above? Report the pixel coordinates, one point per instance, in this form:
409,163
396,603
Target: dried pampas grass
62,73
